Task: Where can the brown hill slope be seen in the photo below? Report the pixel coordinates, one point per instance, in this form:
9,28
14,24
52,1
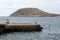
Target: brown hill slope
31,12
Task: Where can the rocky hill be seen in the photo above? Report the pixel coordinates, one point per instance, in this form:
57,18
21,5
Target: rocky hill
31,12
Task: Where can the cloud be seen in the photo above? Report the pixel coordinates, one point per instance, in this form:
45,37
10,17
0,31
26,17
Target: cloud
8,6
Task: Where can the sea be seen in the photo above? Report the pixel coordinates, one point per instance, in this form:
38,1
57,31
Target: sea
50,31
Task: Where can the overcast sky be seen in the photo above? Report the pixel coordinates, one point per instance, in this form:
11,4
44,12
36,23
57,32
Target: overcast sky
9,6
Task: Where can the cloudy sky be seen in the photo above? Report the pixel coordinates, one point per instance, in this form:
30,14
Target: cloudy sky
9,6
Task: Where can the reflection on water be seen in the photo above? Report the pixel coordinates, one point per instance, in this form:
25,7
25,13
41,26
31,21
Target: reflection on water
51,29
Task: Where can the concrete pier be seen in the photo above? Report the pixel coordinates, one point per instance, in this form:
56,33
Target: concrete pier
19,27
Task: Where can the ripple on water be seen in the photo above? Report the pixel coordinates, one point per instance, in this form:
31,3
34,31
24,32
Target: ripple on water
51,29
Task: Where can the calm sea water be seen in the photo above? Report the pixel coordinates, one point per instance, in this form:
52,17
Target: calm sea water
51,28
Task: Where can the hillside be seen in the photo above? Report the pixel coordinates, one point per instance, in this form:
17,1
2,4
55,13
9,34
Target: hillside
31,12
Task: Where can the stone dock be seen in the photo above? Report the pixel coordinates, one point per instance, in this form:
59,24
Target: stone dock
8,27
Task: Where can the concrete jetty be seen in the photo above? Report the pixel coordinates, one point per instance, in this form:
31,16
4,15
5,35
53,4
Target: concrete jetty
8,27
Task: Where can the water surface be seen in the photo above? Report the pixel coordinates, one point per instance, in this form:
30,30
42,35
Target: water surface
51,29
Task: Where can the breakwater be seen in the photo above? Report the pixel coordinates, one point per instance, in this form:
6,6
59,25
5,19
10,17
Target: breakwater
10,27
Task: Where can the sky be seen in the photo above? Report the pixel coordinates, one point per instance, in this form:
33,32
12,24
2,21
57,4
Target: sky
7,7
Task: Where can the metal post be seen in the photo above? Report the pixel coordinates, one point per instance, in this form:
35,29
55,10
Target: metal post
7,21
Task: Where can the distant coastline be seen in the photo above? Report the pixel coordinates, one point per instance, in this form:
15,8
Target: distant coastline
32,12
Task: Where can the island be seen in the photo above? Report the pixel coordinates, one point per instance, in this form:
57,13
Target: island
32,12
